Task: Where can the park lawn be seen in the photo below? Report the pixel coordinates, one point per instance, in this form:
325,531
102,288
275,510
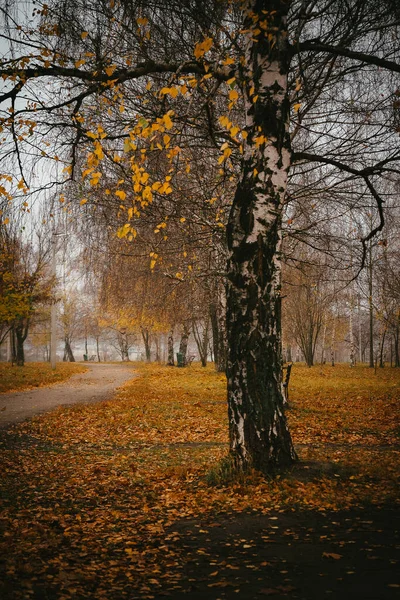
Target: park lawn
35,374
92,493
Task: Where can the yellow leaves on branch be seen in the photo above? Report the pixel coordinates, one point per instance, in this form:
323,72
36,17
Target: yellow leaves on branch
153,261
167,119
110,70
127,231
120,194
203,47
233,95
169,91
226,152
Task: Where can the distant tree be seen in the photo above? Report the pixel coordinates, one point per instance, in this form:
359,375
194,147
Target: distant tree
25,287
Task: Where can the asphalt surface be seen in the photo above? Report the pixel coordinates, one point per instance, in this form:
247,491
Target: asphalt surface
98,383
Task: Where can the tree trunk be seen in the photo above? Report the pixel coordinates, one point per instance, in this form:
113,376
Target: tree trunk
259,436
98,349
396,344
68,354
360,356
201,339
170,360
184,342
157,345
215,332
351,335
323,342
21,333
123,344
289,354
222,334
371,310
381,353
13,345
333,339
147,343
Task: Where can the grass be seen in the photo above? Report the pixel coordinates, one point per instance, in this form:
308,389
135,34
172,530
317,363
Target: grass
33,375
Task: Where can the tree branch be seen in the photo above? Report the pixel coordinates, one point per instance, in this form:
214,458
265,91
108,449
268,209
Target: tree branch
316,46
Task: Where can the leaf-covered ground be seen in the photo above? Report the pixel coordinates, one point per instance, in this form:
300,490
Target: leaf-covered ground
129,498
34,375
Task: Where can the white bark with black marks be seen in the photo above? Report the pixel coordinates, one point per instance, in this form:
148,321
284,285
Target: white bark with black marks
259,436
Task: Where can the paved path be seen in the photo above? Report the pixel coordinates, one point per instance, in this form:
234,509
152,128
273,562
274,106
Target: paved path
98,383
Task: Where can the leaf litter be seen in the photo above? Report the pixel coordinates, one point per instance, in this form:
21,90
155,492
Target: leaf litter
93,495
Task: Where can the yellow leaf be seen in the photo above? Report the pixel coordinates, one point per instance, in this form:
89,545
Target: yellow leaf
171,91
142,21
296,107
233,95
202,47
83,201
84,34
167,121
87,172
260,140
123,231
225,122
110,70
121,194
79,63
99,151
147,194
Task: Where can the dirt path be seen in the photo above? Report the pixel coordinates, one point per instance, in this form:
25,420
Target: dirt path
98,383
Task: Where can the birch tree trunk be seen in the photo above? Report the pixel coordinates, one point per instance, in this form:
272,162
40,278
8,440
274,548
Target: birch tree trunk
215,332
98,349
259,436
222,333
396,343
333,339
184,342
170,359
351,333
371,309
323,342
